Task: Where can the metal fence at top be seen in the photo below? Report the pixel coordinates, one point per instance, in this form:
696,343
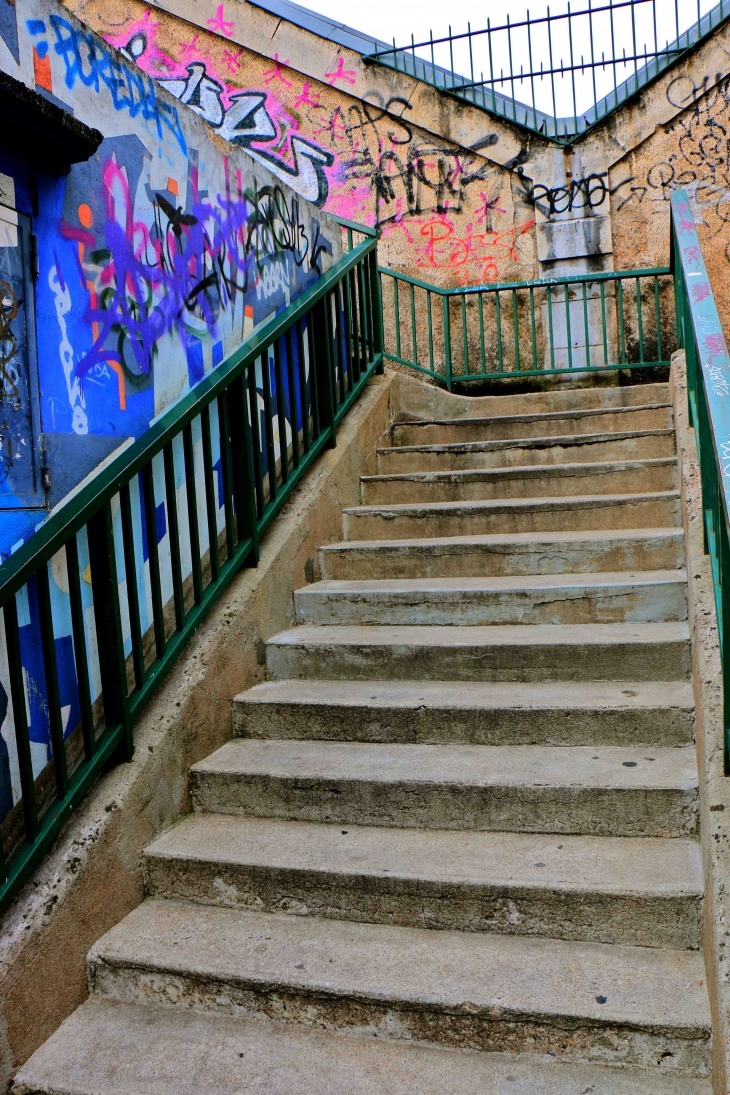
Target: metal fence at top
584,323
102,599
559,74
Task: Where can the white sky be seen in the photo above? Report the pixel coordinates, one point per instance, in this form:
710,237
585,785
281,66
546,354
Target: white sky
386,19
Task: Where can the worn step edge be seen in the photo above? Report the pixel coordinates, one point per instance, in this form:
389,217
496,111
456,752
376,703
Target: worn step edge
611,791
523,471
109,1047
506,505
576,412
557,441
580,1001
644,892
479,713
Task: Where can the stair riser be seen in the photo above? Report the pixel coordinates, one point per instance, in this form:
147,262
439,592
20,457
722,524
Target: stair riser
661,661
649,447
569,1040
472,561
552,912
658,603
499,429
642,480
449,726
516,809
391,525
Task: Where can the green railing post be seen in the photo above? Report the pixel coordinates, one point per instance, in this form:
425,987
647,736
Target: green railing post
323,366
377,311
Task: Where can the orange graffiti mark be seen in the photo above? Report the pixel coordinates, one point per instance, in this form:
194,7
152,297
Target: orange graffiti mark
446,249
42,71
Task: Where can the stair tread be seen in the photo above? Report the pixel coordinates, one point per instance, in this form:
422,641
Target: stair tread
506,504
495,583
110,1047
521,471
585,864
526,442
482,634
506,539
524,977
481,766
575,412
477,695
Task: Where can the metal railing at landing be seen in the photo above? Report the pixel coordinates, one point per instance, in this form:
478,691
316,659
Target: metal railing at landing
708,397
138,557
521,330
559,74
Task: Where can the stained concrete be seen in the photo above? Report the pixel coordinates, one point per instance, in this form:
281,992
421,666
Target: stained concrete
112,1048
478,713
617,791
615,1004
601,889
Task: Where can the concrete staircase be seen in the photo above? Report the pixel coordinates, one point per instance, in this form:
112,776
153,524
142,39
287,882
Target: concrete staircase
452,846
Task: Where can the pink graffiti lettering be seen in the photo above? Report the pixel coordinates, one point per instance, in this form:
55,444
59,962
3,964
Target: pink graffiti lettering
715,343
341,73
277,72
305,99
219,23
189,49
231,60
701,291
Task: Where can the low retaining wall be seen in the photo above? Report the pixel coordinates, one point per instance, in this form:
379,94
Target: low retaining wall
93,876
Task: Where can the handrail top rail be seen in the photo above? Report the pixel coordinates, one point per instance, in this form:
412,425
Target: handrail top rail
538,283
73,514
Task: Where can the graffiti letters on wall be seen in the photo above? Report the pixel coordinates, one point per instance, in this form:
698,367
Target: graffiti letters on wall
438,206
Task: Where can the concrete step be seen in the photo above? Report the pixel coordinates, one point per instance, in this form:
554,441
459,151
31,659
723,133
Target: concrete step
527,553
643,892
626,445
512,516
555,481
589,1002
478,713
543,652
648,597
611,791
108,1047
653,416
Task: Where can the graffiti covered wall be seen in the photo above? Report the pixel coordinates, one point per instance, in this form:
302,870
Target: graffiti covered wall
445,212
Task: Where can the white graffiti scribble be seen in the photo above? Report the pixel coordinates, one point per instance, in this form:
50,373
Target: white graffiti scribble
62,299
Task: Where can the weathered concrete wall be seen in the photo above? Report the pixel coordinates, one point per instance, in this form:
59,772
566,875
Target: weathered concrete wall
714,785
93,876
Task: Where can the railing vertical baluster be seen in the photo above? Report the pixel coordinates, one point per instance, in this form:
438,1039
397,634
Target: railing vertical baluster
464,334
323,365
174,534
50,672
516,331
130,570
569,335
498,319
224,431
483,357
533,332
353,364
396,310
604,327
338,357
447,340
268,422
192,496
256,441
364,318
153,556
429,318
658,315
551,334
357,328
281,413
20,718
299,342
622,327
414,337
313,379
79,642
376,305
292,400
640,320
211,501
110,645
242,466
586,330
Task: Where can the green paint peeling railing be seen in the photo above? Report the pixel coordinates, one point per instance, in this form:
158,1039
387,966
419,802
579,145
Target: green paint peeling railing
212,472
708,396
516,330
559,74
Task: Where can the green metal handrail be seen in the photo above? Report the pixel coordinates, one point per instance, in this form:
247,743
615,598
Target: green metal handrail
523,63
268,410
708,393
515,330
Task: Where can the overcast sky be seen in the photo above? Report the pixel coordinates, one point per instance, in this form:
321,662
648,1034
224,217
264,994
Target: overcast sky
386,19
